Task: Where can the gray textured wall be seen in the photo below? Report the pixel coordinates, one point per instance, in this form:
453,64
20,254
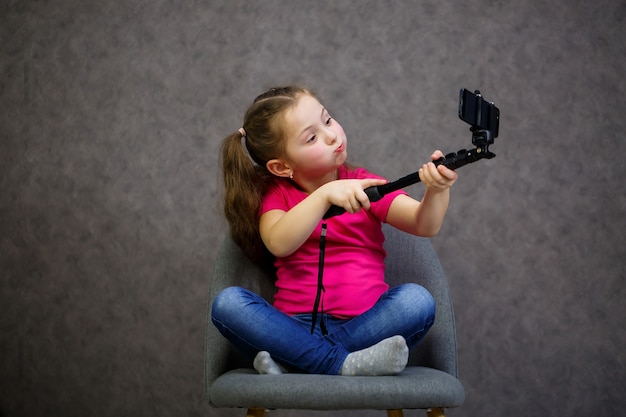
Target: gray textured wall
111,115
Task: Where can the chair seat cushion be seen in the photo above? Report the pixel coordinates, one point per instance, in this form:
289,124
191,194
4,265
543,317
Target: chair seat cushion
415,387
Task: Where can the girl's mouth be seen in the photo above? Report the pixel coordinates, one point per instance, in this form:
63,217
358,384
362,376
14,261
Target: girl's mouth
340,148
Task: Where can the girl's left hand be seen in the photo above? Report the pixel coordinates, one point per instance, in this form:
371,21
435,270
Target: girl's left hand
437,178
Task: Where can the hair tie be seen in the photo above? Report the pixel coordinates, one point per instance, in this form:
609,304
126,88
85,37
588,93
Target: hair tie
242,131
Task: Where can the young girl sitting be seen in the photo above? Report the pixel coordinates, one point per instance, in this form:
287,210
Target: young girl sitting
278,186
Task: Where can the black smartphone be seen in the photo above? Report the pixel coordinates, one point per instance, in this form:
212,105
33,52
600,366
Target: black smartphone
478,112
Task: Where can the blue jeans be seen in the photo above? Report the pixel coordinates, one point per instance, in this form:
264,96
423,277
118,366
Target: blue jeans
251,324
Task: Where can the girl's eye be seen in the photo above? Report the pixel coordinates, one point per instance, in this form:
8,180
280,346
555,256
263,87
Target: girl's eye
329,120
311,139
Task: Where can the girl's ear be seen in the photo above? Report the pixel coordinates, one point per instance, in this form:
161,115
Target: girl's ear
278,167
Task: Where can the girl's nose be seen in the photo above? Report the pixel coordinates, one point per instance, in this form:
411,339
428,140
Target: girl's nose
331,136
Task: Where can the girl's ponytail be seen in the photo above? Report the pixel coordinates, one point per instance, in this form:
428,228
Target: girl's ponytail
244,183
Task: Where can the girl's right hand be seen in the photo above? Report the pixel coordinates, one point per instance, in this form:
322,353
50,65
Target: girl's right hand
284,232
349,194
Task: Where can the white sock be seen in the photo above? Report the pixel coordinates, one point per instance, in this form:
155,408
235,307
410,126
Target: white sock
387,357
264,364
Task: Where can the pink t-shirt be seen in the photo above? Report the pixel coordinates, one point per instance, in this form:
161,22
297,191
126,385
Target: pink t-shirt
354,269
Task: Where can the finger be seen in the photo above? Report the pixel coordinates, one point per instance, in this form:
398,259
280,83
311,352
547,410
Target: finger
422,174
371,182
354,205
436,155
433,178
426,174
364,200
439,179
447,172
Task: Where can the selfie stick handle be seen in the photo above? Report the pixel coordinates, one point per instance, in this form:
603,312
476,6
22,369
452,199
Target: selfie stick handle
451,160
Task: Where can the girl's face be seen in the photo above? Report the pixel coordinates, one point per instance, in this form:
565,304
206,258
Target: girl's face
316,143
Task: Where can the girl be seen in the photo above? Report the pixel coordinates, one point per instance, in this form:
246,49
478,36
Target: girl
278,188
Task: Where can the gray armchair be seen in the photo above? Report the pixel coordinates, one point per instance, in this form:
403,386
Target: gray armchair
429,381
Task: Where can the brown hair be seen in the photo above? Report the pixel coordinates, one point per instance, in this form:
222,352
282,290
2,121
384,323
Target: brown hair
246,177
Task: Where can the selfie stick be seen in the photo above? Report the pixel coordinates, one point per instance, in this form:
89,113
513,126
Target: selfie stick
451,160
481,138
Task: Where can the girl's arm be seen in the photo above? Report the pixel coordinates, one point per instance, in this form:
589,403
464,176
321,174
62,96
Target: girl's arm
284,232
426,217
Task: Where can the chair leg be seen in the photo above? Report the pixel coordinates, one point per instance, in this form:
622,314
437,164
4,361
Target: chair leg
395,413
256,412
435,412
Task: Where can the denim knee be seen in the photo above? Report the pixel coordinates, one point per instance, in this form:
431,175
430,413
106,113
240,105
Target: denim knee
227,303
418,302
